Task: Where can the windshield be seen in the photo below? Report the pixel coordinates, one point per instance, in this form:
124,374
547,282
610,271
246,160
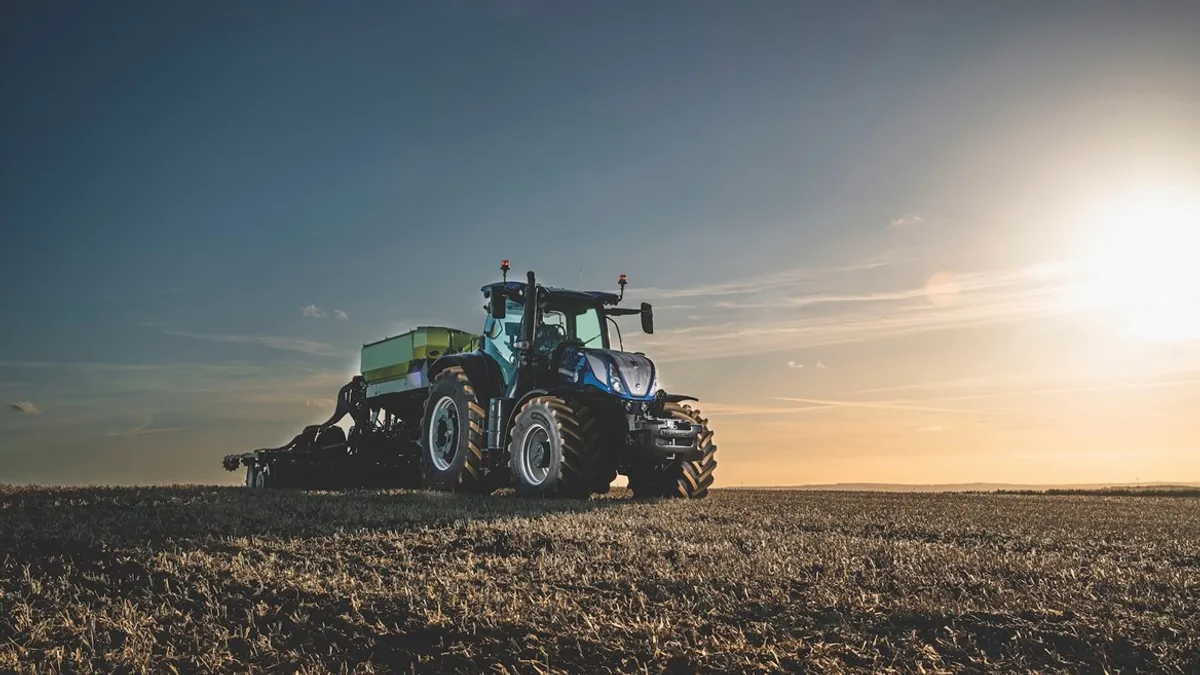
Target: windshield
561,321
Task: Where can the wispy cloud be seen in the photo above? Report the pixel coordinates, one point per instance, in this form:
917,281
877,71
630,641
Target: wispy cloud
146,429
320,313
738,409
933,428
1027,384
907,220
883,405
796,365
785,280
302,345
24,407
799,309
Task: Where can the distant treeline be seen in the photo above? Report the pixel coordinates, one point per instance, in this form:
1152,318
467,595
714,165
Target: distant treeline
1154,491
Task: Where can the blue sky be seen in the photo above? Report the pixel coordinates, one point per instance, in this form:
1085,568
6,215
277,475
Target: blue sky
181,181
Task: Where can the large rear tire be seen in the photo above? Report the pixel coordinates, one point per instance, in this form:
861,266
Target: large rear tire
688,479
554,449
452,440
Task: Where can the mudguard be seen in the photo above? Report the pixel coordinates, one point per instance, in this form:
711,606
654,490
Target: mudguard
481,369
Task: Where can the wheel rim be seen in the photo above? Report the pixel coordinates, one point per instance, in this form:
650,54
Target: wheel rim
443,433
260,477
535,454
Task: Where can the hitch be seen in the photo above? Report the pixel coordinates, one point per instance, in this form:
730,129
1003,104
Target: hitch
661,398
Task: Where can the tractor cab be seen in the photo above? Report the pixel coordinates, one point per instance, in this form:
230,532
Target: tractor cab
562,316
563,334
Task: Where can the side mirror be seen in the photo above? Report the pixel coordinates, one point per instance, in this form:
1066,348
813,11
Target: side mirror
497,303
647,318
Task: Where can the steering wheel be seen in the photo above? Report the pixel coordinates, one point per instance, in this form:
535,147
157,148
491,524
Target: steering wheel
559,349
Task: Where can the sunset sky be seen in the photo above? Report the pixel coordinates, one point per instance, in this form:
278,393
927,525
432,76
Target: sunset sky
885,241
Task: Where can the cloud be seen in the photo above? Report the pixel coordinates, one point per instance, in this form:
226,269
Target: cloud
729,409
797,309
313,311
821,365
340,315
795,366
25,407
302,345
933,428
907,220
145,431
785,280
146,428
883,405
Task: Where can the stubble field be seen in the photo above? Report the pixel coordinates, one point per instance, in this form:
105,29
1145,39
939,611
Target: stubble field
214,579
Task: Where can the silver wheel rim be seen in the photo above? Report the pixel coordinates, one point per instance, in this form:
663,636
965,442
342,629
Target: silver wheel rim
443,433
534,463
260,477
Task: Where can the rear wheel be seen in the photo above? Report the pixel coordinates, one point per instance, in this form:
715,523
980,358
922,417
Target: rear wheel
262,476
688,479
554,449
452,441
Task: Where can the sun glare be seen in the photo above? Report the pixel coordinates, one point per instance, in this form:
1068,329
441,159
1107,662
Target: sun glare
1140,262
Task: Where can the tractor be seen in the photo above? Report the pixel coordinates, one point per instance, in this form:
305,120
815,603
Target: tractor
540,402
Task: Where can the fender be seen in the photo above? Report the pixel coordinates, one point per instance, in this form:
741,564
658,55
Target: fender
522,401
481,369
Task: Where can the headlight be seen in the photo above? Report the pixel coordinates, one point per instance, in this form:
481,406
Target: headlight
605,373
614,381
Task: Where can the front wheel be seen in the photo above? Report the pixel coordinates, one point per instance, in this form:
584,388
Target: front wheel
554,449
688,479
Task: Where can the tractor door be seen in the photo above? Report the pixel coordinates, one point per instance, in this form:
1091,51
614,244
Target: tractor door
499,335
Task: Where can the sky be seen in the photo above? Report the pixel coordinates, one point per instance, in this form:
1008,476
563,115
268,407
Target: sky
916,242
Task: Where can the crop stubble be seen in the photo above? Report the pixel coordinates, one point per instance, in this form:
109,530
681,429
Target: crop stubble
213,579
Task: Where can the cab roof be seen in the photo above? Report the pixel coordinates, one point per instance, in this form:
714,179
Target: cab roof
518,287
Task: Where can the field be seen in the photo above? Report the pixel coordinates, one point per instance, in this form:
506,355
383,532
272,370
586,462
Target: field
214,579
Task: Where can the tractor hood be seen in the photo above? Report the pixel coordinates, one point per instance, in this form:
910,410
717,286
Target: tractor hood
624,374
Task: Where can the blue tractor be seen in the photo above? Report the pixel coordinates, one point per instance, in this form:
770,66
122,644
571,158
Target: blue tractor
540,402
545,404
